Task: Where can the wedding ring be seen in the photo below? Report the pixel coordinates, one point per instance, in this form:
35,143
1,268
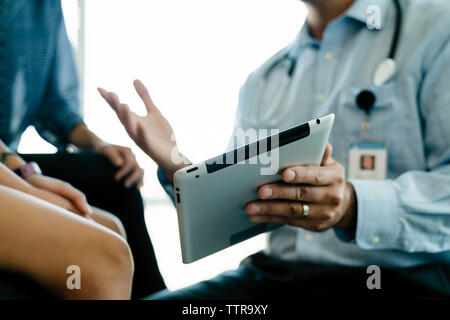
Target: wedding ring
305,211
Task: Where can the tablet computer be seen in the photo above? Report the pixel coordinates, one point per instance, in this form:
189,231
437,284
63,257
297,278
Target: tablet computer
211,196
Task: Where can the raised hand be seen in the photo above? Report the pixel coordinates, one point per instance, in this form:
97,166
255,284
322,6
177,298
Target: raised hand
152,132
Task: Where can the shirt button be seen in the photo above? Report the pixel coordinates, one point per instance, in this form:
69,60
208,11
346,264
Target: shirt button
322,98
308,237
274,123
328,56
374,240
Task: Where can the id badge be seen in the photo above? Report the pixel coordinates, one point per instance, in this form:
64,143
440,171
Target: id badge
367,160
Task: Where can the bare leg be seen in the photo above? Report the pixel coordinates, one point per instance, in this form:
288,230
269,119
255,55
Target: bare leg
42,241
109,221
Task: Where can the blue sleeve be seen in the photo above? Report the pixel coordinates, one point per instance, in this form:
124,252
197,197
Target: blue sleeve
166,184
412,212
60,109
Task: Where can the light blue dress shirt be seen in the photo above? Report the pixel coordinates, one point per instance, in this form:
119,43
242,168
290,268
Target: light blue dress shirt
404,220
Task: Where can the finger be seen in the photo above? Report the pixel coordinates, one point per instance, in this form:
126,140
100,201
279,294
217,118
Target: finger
312,225
145,96
288,209
128,165
114,156
314,175
135,177
103,93
122,110
141,183
75,210
306,193
76,197
326,159
108,98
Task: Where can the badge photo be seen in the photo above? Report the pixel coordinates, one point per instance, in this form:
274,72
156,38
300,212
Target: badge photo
367,160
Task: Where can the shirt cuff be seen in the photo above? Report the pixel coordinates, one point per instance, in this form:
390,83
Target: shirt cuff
378,225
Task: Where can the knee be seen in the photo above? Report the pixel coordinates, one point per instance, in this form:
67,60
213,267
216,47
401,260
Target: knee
118,227
118,267
110,221
109,271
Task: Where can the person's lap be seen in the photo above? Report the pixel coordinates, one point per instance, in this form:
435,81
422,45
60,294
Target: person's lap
265,278
94,175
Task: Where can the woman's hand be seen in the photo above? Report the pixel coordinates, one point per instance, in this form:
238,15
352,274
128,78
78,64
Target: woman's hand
152,132
59,193
56,200
331,199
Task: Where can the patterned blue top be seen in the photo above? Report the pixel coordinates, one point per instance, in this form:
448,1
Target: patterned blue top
38,79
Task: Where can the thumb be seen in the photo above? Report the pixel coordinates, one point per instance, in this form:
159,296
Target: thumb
327,159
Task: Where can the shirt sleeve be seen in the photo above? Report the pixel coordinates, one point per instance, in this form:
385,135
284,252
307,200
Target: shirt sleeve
412,212
59,111
166,184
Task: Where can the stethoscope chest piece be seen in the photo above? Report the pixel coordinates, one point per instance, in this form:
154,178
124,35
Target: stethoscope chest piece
384,72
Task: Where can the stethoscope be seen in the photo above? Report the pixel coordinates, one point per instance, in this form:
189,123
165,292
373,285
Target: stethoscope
365,100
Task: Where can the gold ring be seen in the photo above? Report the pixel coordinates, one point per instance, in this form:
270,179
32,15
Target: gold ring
305,211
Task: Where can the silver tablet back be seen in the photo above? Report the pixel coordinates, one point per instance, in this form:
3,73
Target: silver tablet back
211,196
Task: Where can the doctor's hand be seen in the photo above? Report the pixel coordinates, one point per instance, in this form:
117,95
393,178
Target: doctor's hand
152,132
331,199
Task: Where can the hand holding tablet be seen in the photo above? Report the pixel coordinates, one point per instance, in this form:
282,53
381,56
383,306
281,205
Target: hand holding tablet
212,197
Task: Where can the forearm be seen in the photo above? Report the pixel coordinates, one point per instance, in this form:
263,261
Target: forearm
11,180
84,138
13,160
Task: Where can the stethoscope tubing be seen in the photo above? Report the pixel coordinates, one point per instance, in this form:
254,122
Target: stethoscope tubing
255,118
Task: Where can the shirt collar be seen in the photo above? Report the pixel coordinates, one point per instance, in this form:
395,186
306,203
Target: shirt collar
359,10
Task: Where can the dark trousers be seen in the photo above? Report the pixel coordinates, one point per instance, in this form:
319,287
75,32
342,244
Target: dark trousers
266,278
16,286
94,175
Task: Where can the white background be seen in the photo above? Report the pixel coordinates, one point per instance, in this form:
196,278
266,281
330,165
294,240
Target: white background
193,56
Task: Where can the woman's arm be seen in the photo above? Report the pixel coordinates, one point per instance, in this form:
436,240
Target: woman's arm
46,188
12,180
13,160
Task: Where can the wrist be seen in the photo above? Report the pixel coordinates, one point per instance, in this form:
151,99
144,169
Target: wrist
169,171
350,209
98,144
28,170
84,138
11,160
